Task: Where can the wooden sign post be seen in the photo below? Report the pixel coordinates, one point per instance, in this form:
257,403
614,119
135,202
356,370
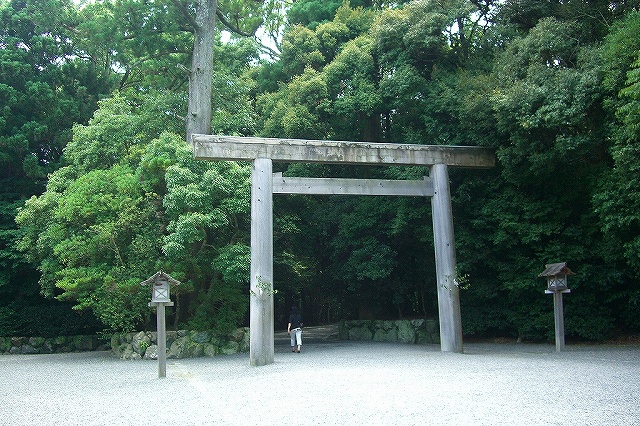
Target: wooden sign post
556,274
161,297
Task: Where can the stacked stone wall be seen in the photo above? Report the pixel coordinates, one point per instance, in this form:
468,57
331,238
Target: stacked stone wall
137,345
190,344
417,331
50,345
180,344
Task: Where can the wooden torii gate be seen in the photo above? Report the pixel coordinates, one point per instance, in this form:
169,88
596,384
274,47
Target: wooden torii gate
263,151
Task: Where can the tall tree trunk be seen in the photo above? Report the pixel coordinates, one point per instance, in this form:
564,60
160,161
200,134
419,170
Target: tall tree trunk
198,120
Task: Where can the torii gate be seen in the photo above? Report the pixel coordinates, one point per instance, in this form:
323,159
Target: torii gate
263,151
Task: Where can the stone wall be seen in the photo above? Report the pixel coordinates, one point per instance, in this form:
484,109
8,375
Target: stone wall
50,345
189,344
138,345
418,331
180,344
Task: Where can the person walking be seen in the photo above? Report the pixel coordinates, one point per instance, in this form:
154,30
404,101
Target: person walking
295,329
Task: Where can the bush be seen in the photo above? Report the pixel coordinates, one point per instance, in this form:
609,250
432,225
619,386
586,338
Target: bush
45,319
222,308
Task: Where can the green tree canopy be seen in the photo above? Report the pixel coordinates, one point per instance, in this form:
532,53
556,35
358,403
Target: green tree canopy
103,224
45,87
551,86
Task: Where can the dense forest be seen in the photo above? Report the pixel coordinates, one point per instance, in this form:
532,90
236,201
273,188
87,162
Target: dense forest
99,189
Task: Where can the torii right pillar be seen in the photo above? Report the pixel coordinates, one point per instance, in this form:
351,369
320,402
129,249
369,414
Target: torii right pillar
445,252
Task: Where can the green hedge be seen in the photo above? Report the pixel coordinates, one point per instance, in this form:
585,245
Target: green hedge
45,319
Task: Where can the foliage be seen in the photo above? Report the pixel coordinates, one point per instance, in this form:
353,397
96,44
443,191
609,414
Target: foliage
221,308
451,73
311,13
95,222
551,86
46,85
618,199
99,227
131,201
45,320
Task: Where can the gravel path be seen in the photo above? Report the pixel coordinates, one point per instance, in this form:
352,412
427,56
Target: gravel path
331,383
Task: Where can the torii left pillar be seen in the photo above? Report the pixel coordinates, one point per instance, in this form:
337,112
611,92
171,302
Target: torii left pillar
445,252
261,338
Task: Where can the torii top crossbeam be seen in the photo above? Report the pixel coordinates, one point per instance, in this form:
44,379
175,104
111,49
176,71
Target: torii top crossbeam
211,147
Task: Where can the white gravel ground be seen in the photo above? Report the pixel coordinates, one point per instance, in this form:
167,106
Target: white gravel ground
331,383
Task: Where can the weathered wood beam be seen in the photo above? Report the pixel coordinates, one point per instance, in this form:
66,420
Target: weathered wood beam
212,147
261,318
340,186
445,254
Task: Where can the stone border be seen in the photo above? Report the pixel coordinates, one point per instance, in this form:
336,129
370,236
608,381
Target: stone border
192,344
136,345
180,344
418,331
50,345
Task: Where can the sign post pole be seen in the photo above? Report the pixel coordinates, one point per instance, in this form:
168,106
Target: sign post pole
160,297
162,341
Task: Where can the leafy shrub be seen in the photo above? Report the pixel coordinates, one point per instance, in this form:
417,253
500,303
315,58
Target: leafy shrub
222,308
45,319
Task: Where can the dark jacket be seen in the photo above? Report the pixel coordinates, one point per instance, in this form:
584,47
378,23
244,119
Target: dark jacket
295,320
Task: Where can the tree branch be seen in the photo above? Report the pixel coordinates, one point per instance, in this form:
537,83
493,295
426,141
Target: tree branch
183,68
235,29
185,12
268,50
